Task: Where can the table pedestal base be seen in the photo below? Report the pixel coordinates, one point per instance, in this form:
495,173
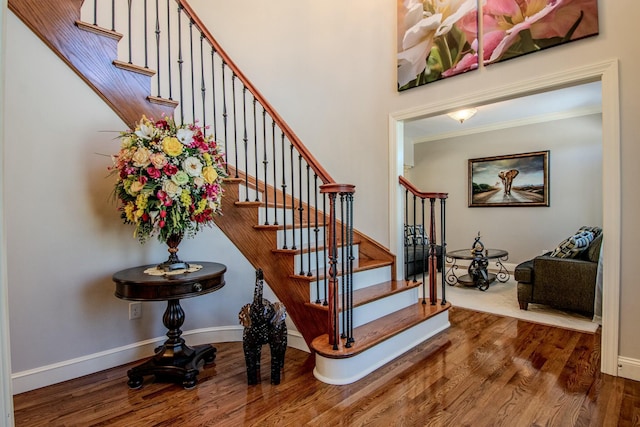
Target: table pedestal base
174,360
170,367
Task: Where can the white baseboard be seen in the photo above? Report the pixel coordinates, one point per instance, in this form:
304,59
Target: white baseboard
92,363
629,368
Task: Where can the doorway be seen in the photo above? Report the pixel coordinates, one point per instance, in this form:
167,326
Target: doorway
607,73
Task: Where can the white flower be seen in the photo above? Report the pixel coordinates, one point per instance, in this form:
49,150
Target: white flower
192,166
145,132
198,181
185,136
171,188
418,28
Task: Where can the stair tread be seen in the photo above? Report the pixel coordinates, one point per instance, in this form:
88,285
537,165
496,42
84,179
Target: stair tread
375,292
379,330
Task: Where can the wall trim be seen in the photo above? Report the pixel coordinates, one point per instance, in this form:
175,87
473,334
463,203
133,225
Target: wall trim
73,368
605,71
629,368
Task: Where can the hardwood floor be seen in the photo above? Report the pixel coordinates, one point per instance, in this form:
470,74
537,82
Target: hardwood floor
486,370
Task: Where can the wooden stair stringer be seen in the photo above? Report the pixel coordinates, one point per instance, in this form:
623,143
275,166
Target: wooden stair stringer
91,56
238,224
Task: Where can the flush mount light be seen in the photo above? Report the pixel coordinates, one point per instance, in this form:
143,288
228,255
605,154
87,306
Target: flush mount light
462,115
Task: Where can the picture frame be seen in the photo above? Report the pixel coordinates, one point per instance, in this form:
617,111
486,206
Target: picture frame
509,180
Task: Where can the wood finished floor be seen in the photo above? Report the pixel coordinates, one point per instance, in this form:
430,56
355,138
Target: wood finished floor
485,370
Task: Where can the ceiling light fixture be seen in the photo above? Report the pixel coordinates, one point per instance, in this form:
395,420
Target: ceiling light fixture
462,115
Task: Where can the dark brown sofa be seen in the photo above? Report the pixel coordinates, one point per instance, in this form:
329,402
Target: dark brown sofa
563,283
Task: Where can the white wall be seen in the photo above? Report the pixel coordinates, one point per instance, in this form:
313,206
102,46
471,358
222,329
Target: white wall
329,69
575,182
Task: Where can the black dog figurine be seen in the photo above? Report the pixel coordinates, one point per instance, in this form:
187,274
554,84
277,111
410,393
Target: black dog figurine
264,323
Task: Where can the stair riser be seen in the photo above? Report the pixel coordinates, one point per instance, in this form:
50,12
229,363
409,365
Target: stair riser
361,279
304,258
293,238
380,308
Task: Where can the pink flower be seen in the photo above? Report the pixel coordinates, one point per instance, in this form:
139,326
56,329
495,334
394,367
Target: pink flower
467,63
154,173
504,20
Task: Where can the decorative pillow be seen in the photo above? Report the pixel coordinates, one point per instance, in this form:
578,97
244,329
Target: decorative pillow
574,245
414,235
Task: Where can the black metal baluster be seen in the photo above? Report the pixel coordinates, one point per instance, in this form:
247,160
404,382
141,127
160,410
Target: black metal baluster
113,15
180,62
326,242
224,118
342,268
169,49
308,221
433,293
245,141
235,121
158,47
203,87
146,40
129,35
317,236
349,222
265,163
213,95
191,68
255,144
95,12
284,194
293,200
300,213
275,191
443,249
406,230
424,256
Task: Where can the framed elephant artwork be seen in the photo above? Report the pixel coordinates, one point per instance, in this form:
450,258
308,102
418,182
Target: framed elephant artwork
509,180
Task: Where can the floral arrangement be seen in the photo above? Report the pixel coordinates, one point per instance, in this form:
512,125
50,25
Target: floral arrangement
439,38
169,179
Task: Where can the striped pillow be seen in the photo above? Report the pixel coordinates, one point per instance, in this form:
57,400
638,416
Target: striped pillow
574,245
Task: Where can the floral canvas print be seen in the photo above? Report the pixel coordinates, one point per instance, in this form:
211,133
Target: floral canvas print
436,39
516,27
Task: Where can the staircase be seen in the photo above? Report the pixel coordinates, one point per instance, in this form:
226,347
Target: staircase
339,286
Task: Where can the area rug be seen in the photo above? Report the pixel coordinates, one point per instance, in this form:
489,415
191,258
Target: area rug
502,299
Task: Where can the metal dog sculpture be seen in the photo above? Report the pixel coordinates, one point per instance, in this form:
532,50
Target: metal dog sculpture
264,323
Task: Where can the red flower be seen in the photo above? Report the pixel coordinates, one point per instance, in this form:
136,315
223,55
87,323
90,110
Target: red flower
170,169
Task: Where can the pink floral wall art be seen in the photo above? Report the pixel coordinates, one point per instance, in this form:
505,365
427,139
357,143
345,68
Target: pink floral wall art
436,39
511,28
439,38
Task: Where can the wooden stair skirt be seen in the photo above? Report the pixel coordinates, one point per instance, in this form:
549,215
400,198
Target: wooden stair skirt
379,342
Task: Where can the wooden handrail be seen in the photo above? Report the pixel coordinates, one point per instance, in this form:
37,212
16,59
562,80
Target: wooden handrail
293,138
414,190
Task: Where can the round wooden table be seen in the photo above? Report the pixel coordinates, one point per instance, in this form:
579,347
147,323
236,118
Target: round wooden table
174,360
